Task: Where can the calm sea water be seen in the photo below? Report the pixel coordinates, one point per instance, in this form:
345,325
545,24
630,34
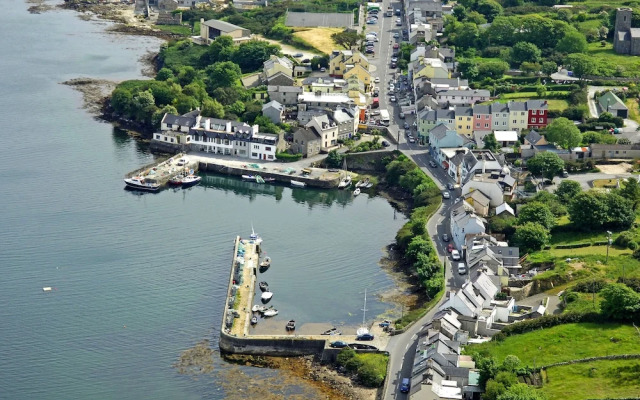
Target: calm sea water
140,278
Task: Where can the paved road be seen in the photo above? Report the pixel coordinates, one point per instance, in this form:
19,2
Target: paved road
586,179
402,347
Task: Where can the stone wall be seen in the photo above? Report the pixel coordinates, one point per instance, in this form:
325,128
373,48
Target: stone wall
226,170
271,346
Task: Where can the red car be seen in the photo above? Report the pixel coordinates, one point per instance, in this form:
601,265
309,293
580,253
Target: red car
450,247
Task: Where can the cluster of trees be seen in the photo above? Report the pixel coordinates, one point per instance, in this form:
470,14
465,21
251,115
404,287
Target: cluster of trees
413,237
371,369
198,77
620,302
500,380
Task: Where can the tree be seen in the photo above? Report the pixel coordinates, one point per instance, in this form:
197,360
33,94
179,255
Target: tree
549,67
492,69
196,90
164,74
460,12
522,391
222,74
347,38
631,191
564,133
567,190
493,390
489,8
237,107
416,246
252,54
468,68
466,35
510,364
212,108
538,213
186,75
587,210
556,206
525,51
581,64
531,237
184,103
221,49
620,213
620,302
157,116
490,142
547,164
572,42
530,68
121,100
334,159
541,90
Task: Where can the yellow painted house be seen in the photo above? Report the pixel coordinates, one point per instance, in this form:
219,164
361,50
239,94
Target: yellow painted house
431,68
348,63
464,121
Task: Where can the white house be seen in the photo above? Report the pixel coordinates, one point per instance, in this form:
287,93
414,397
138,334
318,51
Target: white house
473,297
462,97
274,111
464,222
506,138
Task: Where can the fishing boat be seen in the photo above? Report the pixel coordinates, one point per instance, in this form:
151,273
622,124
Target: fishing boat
298,183
362,184
254,320
266,296
263,286
139,183
254,236
191,180
272,312
291,325
265,264
176,180
356,192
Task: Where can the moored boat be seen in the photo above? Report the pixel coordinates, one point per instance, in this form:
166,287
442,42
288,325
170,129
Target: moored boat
176,180
345,182
254,320
139,183
356,192
266,263
272,312
298,183
257,308
263,286
266,296
332,331
368,185
291,325
267,180
360,183
248,177
190,180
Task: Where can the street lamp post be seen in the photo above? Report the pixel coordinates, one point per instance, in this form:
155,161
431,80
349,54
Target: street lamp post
608,244
398,142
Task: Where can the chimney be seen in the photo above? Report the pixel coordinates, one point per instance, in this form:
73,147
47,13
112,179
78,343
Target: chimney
227,127
207,124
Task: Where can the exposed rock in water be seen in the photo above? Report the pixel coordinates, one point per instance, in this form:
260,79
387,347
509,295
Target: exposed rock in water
39,6
94,92
196,360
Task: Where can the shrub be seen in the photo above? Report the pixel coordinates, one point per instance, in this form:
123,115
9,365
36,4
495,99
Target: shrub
548,321
624,239
286,157
590,286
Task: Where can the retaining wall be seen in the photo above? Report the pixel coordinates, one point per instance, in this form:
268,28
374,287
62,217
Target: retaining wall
226,170
270,346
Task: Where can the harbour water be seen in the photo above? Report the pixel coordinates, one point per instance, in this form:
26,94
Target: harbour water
138,279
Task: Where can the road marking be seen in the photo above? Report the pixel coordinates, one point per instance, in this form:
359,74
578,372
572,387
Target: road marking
406,348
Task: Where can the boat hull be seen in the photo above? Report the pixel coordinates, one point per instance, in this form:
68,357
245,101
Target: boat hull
142,187
191,182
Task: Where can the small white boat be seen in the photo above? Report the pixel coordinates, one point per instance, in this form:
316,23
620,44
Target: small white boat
368,185
139,183
248,178
46,289
254,320
266,263
266,296
360,183
257,308
298,184
291,325
345,182
356,192
272,312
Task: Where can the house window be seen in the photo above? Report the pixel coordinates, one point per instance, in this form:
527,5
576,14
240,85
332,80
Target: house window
477,125
478,116
171,140
158,137
541,120
165,138
534,112
168,125
514,121
505,115
459,126
468,127
254,154
522,113
533,120
270,157
504,123
486,125
267,148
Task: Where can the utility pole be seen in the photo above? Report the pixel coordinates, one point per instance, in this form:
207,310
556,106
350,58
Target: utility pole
608,244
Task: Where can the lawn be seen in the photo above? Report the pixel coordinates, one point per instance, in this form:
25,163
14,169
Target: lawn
184,30
606,183
320,38
594,380
606,54
634,109
563,343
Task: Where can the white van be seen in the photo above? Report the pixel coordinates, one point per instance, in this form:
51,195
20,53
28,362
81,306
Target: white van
462,269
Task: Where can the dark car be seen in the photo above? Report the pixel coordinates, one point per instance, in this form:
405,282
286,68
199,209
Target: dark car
384,323
450,186
339,344
432,164
385,143
445,237
365,336
405,385
393,65
406,125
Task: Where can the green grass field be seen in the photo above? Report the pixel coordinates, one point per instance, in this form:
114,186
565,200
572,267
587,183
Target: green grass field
634,109
595,380
184,30
564,343
606,54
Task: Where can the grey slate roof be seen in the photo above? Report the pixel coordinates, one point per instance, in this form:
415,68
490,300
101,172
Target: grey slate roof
537,105
306,134
222,25
482,109
464,111
499,108
533,137
172,119
517,106
440,131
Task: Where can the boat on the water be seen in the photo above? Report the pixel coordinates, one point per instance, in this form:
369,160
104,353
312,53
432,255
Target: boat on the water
356,192
267,180
254,236
248,177
254,320
263,286
368,185
266,296
257,308
266,263
272,312
140,183
190,180
345,182
291,325
176,180
298,183
362,183
359,183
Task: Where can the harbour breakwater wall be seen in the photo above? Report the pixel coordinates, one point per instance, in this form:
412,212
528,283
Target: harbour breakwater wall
271,346
283,178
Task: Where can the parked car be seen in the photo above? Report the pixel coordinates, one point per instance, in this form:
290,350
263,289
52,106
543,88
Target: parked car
372,21
450,247
392,99
432,164
455,254
394,59
323,69
396,35
393,65
396,45
565,174
462,269
445,237
385,143
412,140
339,344
405,385
406,125
392,87
446,195
450,186
401,114
362,346
384,323
365,336
369,50
298,55
377,80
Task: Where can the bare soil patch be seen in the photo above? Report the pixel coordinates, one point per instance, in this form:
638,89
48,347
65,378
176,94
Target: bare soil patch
320,38
614,168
